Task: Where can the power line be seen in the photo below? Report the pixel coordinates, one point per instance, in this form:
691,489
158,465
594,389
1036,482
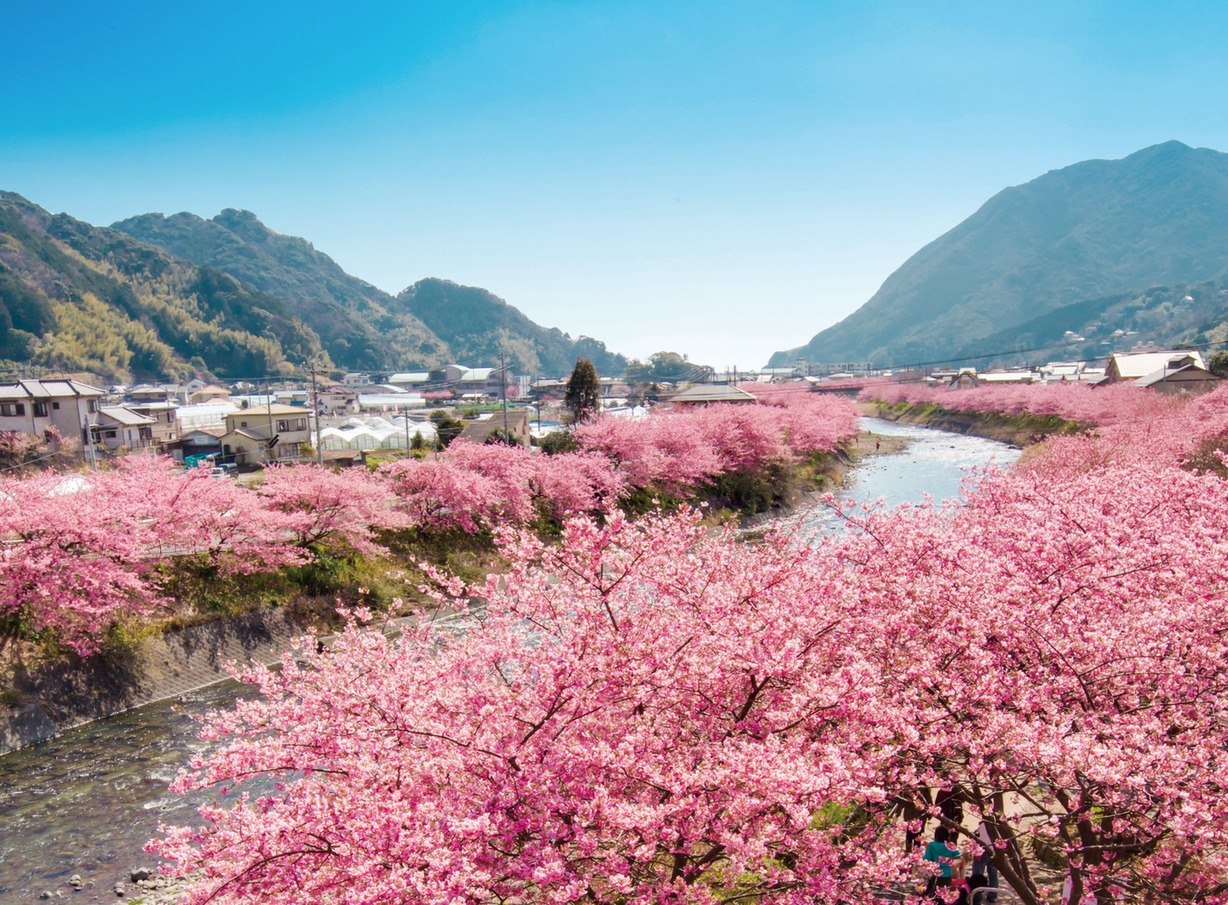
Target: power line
1005,352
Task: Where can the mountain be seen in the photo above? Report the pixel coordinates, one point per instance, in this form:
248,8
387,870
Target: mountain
479,325
80,298
354,319
1085,232
430,323
1168,316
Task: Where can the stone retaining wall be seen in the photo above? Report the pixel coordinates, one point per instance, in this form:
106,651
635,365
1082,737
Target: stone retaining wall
42,702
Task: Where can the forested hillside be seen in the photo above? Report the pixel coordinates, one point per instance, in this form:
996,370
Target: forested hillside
1169,316
432,322
478,325
80,298
356,321
1089,231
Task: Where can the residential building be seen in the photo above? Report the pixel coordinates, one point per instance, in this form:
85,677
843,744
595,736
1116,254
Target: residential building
1135,365
1179,377
148,393
195,443
119,427
337,398
36,406
969,377
258,436
210,393
164,429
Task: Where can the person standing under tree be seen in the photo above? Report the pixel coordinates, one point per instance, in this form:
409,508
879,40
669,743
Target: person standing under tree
940,853
983,863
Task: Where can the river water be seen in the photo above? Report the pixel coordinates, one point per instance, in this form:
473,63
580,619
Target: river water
934,463
86,802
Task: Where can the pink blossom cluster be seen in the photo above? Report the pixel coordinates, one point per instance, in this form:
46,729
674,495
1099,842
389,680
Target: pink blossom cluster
1156,430
677,449
78,549
647,713
476,487
81,551
642,714
1079,403
480,487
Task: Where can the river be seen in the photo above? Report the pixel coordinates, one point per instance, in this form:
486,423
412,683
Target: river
934,463
85,802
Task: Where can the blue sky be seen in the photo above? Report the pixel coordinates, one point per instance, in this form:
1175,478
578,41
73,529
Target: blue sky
717,179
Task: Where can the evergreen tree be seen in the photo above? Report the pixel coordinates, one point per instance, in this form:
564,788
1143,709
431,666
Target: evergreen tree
583,391
447,428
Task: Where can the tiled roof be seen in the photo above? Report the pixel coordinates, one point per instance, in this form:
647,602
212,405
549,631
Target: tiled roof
712,393
124,416
48,389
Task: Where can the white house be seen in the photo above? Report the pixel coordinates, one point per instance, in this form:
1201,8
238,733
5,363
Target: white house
35,406
119,427
1134,365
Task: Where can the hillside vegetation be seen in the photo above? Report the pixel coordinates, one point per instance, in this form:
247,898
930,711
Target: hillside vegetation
1087,330
353,318
431,322
75,297
478,325
1090,231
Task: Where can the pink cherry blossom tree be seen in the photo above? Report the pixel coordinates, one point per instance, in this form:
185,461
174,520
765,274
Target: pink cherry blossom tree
321,506
643,713
473,487
83,551
73,558
1053,652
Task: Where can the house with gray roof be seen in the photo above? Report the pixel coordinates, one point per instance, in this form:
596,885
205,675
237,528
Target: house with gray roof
119,427
704,393
36,406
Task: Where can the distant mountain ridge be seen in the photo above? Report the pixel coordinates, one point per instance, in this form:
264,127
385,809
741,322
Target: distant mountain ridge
351,316
1158,217
80,298
430,323
479,325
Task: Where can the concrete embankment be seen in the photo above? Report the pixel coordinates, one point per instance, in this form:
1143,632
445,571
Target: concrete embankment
43,699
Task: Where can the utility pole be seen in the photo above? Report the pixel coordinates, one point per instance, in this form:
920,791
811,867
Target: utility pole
268,402
507,437
405,415
88,453
315,408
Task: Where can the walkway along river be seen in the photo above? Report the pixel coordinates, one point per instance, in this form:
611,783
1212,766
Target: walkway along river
85,803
